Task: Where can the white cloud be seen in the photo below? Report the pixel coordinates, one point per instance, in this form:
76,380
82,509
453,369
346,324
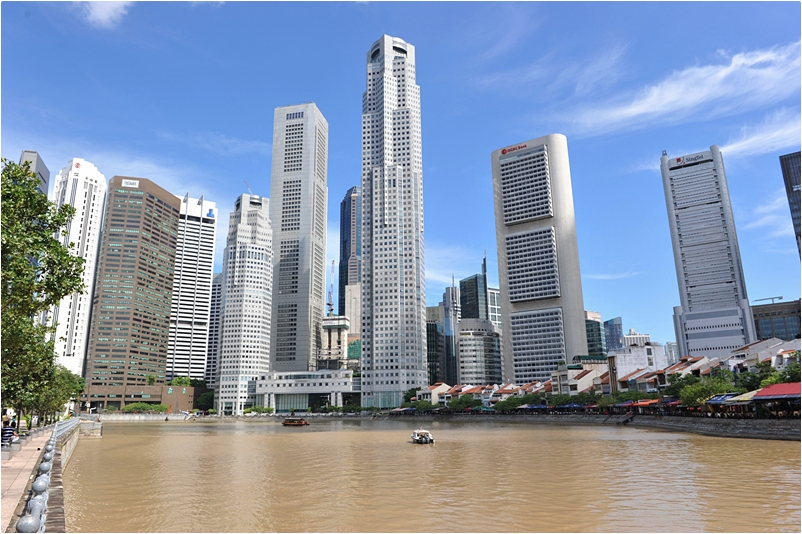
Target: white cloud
612,276
105,15
772,217
219,143
748,81
779,130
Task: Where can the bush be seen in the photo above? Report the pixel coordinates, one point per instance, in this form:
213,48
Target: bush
212,411
111,408
144,407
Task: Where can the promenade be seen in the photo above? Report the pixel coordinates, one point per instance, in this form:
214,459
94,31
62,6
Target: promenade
16,473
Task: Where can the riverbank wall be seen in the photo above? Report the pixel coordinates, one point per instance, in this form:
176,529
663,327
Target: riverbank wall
775,429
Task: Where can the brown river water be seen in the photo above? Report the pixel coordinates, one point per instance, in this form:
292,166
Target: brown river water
367,476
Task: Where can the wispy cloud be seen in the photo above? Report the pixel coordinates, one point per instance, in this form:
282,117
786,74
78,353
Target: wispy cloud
104,15
519,26
219,143
779,130
443,263
772,217
743,82
612,276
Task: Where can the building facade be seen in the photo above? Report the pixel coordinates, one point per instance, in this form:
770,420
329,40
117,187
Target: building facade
473,295
594,329
494,306
393,278
790,164
780,320
479,358
452,314
714,316
636,339
435,351
298,194
244,353
350,244
81,185
131,304
538,259
614,333
38,168
192,289
215,310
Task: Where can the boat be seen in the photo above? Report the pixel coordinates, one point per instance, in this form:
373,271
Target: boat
422,436
295,421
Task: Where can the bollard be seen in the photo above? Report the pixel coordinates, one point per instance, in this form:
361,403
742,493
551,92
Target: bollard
48,456
45,467
28,523
39,485
35,507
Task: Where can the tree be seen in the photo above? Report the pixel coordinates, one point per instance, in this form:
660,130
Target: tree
676,382
792,372
465,401
748,380
183,381
38,271
411,393
197,383
698,393
206,400
64,386
150,379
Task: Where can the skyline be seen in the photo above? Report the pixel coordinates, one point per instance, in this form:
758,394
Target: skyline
128,87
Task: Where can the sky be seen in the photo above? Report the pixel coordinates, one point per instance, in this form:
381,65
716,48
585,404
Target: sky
183,93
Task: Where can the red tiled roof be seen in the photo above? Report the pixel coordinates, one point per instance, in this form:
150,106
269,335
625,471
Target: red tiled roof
776,390
630,375
583,373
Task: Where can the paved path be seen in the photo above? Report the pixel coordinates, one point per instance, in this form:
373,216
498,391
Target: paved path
15,474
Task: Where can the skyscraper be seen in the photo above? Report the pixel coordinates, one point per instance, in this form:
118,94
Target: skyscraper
451,319
473,295
790,164
37,167
298,193
393,282
538,259
714,317
83,187
350,244
247,294
131,304
192,289
597,342
614,333
479,358
213,350
494,306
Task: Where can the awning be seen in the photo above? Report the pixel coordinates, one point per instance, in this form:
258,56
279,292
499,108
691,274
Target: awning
743,398
778,392
720,399
627,403
646,402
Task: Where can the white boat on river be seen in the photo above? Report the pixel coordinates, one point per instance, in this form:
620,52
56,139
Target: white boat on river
422,436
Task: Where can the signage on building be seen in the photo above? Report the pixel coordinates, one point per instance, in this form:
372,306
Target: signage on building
511,149
130,183
77,165
687,160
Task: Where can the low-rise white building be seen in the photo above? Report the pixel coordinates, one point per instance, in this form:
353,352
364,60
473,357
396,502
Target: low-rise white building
626,360
285,391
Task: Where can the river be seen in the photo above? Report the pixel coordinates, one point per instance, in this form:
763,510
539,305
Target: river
367,476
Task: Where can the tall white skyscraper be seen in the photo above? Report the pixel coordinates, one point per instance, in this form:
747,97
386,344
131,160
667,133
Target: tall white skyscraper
298,193
542,310
714,317
83,187
393,282
192,289
212,353
247,295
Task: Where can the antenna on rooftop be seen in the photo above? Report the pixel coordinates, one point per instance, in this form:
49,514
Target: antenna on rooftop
330,304
772,299
248,186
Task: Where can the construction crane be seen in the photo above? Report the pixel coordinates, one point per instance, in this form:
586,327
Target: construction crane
772,299
330,304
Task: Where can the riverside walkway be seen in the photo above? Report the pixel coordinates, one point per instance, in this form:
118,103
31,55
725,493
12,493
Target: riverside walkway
16,473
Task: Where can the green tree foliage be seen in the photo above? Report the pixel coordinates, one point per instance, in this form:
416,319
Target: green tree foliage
791,372
196,383
206,400
182,381
748,381
676,382
465,401
411,393
140,407
150,379
64,386
38,271
696,394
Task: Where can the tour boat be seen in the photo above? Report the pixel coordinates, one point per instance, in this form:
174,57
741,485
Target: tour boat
295,421
422,436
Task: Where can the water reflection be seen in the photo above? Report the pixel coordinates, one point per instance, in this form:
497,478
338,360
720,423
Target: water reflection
367,476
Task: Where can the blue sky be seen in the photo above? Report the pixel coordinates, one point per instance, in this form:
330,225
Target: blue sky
183,93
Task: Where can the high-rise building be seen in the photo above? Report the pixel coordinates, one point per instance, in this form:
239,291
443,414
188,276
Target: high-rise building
435,351
597,342
350,244
131,304
192,289
479,359
494,306
353,310
298,193
451,318
538,259
83,187
778,319
714,316
393,281
614,333
215,309
37,167
473,295
790,164
245,340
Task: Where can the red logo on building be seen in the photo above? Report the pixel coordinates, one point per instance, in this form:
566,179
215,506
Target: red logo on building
512,149
504,151
679,160
77,165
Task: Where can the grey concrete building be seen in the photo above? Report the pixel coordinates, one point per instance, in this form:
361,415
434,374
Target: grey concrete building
790,164
350,244
714,316
38,168
298,195
542,309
